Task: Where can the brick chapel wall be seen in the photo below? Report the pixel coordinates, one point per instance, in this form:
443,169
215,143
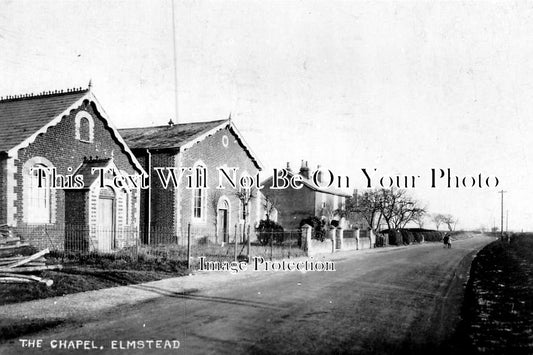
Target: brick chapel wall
3,191
143,159
213,154
163,212
63,150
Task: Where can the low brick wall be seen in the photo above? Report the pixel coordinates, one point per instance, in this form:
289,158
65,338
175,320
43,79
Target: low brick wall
350,244
338,240
318,247
364,243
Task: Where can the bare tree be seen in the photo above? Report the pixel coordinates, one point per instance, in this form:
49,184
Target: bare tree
367,205
437,219
391,206
420,220
398,208
403,210
450,221
245,196
394,206
269,205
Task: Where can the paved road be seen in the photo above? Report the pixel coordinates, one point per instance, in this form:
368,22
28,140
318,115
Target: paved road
392,300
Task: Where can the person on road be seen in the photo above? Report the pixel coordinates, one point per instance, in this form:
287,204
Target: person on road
446,240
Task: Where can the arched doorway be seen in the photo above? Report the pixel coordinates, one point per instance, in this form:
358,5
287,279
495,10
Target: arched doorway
223,216
105,222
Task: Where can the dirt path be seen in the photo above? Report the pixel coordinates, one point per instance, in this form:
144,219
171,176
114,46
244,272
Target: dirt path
389,301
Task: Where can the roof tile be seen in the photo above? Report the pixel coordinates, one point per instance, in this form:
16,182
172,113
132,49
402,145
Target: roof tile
164,137
21,117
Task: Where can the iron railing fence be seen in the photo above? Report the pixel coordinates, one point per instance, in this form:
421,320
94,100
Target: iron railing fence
188,244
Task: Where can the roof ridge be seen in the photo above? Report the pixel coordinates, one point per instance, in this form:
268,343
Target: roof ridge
30,96
96,159
175,124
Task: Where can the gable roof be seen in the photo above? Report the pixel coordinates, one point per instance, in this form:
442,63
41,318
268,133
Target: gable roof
167,137
24,117
309,184
181,136
20,117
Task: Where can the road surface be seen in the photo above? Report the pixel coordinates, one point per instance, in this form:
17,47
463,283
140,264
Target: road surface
392,300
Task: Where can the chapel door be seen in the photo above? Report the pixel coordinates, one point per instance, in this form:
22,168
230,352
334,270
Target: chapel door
105,228
223,219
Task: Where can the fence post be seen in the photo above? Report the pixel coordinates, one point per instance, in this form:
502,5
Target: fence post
271,241
306,239
331,235
372,238
340,238
189,246
235,239
248,244
290,244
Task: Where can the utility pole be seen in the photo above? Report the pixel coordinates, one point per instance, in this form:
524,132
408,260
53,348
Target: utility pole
501,225
175,52
507,223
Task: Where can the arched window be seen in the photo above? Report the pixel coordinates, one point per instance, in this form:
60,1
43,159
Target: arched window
199,192
84,127
39,202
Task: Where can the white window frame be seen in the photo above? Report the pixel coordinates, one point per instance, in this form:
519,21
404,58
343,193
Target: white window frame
203,197
39,203
84,115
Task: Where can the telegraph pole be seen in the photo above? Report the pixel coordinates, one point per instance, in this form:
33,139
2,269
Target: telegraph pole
501,225
175,52
507,222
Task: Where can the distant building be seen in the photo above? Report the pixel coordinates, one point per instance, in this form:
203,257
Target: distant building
293,205
214,214
71,133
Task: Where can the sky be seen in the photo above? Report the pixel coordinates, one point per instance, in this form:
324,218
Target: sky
400,87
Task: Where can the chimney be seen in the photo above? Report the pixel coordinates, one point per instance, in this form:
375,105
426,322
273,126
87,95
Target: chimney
304,170
319,174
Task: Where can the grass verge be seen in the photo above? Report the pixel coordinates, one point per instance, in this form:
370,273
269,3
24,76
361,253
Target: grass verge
498,306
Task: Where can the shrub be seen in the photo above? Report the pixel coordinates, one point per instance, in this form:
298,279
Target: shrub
407,236
268,230
319,227
395,237
380,240
419,236
203,240
410,235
